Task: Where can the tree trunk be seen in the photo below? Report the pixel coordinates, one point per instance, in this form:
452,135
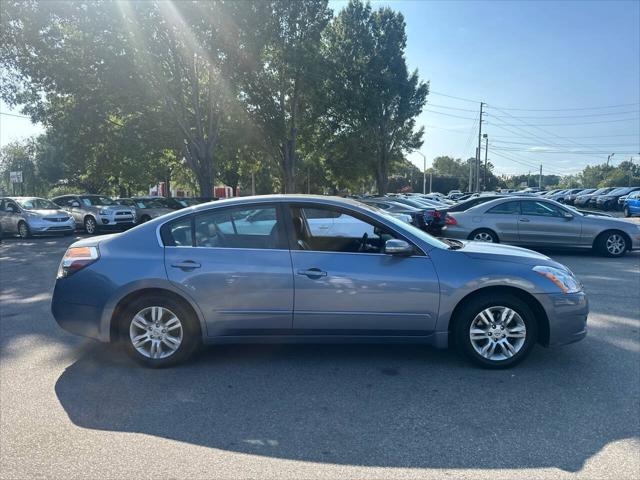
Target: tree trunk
288,163
382,174
205,185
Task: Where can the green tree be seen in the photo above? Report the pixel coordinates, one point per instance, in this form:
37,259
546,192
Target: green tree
372,100
281,76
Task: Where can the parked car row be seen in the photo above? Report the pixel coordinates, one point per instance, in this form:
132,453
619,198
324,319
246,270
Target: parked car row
28,216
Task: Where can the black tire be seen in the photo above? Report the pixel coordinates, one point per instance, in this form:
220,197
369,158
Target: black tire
191,334
627,212
90,225
23,230
466,315
485,233
605,242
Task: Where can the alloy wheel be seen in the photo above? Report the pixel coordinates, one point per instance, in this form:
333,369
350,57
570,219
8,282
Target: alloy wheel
156,332
90,226
483,237
615,244
497,333
23,230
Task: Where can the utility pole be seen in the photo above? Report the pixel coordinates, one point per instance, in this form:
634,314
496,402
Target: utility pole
529,179
540,178
486,153
424,171
477,189
471,165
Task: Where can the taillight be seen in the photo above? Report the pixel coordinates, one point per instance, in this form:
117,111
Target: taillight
76,258
449,220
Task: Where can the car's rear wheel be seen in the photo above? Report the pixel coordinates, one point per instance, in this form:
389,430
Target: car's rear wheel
90,225
23,230
158,331
611,244
496,331
484,235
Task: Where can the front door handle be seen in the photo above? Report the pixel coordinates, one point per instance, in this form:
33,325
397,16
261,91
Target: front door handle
524,219
312,273
186,265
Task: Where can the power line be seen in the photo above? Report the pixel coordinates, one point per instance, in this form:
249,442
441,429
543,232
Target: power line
15,115
632,119
432,92
589,144
566,152
566,109
547,132
449,114
547,117
450,108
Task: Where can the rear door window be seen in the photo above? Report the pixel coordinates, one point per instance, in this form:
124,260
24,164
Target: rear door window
507,208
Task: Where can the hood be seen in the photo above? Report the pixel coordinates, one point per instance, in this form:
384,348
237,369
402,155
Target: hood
505,253
48,213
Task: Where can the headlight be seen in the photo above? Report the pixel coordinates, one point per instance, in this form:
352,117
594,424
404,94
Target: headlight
102,211
564,280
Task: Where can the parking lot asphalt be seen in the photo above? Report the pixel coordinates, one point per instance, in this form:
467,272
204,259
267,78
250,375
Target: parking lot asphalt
74,408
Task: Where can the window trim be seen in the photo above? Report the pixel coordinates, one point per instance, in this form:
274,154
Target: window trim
293,246
162,233
551,205
519,212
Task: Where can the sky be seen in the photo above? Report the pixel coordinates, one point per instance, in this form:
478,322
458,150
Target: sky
560,80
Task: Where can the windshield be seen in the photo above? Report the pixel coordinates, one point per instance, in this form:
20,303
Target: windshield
37,204
96,200
407,227
150,203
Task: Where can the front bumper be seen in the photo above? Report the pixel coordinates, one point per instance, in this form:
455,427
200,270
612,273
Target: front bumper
567,315
115,221
43,227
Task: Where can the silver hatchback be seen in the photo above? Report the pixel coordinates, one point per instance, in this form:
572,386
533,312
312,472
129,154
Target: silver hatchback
27,216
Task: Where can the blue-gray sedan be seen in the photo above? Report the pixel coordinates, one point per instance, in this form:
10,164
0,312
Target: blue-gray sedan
302,268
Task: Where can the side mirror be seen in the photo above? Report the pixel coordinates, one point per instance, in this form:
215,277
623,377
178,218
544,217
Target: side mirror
567,216
397,247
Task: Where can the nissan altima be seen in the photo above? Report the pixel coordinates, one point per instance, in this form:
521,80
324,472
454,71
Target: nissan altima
273,269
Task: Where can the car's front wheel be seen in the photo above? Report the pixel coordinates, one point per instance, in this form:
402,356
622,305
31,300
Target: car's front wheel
496,331
23,230
158,331
627,212
90,225
611,244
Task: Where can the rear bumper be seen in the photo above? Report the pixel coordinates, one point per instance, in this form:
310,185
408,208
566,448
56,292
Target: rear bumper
567,315
71,307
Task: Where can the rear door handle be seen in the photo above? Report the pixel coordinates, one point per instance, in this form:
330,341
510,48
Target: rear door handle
312,273
186,265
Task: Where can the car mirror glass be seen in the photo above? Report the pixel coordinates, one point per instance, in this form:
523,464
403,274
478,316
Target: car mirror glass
397,247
